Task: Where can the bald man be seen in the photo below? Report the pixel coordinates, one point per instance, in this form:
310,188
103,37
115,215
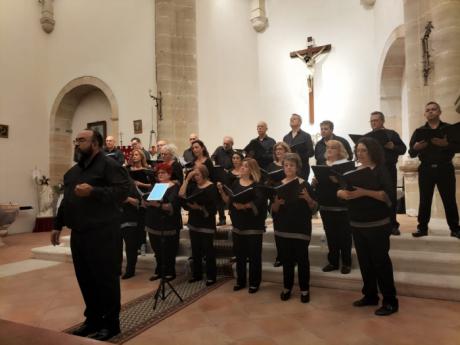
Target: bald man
265,156
188,154
111,150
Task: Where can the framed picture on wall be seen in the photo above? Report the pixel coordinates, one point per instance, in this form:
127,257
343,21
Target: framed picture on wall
100,126
137,126
4,131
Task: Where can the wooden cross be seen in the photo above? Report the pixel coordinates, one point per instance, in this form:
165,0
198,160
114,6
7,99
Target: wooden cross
309,56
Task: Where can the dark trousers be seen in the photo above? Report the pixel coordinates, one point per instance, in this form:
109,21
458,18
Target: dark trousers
203,246
170,246
141,236
131,239
221,210
292,252
338,234
96,259
442,176
393,173
248,247
372,246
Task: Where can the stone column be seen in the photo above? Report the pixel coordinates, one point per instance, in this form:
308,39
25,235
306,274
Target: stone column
443,81
176,69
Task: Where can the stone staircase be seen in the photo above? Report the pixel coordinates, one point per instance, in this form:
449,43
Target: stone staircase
425,267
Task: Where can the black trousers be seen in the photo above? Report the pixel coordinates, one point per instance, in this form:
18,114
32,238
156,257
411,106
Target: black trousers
96,259
141,236
131,239
248,247
338,234
292,252
372,246
393,172
221,209
203,246
442,176
170,246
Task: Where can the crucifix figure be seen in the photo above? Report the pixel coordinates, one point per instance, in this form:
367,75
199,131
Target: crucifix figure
311,56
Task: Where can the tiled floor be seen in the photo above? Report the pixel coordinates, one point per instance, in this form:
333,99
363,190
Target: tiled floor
49,298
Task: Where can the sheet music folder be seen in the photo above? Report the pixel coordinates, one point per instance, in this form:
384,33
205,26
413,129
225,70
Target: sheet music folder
242,197
158,192
363,178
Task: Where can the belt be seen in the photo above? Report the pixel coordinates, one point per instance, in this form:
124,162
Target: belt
292,235
247,232
373,224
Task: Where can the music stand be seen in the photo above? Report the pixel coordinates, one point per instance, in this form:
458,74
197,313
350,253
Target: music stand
161,290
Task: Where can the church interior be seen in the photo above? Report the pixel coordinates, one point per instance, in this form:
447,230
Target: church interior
162,69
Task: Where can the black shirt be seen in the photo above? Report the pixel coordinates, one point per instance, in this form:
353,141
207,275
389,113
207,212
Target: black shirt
294,217
188,155
249,219
115,154
209,200
223,157
267,157
367,209
433,154
320,149
158,219
102,207
391,156
304,148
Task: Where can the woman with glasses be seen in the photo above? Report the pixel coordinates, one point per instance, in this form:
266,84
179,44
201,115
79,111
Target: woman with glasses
370,220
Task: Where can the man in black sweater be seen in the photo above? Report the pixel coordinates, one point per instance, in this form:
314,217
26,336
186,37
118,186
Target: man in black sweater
261,148
94,189
111,150
327,129
436,169
392,149
300,142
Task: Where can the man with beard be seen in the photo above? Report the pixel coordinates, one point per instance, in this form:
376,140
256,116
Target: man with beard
94,189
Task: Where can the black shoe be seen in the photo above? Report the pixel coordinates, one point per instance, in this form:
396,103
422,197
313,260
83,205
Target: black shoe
395,232
330,268
210,282
222,222
277,263
365,301
154,277
85,330
420,233
105,334
345,269
455,233
285,295
194,280
305,298
127,275
238,287
387,309
253,289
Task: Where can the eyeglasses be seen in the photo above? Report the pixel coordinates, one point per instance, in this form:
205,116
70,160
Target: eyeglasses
78,141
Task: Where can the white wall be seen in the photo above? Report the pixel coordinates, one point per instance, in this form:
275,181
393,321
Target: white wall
347,79
112,40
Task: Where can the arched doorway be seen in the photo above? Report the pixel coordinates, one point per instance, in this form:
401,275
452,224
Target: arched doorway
392,82
62,115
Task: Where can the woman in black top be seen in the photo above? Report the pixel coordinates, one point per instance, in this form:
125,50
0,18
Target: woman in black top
370,221
248,215
292,224
163,222
201,203
201,156
129,224
334,213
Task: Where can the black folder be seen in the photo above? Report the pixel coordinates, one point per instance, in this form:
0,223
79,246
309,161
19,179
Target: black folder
197,196
379,135
289,191
323,173
242,197
300,147
453,132
427,134
273,176
363,178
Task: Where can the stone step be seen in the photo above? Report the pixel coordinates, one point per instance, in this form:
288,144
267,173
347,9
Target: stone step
423,285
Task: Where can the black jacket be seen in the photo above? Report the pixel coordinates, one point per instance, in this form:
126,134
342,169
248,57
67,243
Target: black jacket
103,206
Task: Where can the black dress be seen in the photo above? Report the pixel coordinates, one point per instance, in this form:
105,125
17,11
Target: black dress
202,226
247,233
292,224
163,228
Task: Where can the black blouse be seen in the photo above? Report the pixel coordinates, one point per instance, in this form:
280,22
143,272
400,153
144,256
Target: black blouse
159,219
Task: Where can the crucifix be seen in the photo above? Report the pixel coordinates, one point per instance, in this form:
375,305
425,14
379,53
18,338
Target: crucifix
311,56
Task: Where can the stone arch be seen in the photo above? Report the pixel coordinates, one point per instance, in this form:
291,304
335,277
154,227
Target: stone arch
392,66
62,114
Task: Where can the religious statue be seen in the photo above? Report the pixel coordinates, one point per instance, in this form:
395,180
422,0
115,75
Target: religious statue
45,194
